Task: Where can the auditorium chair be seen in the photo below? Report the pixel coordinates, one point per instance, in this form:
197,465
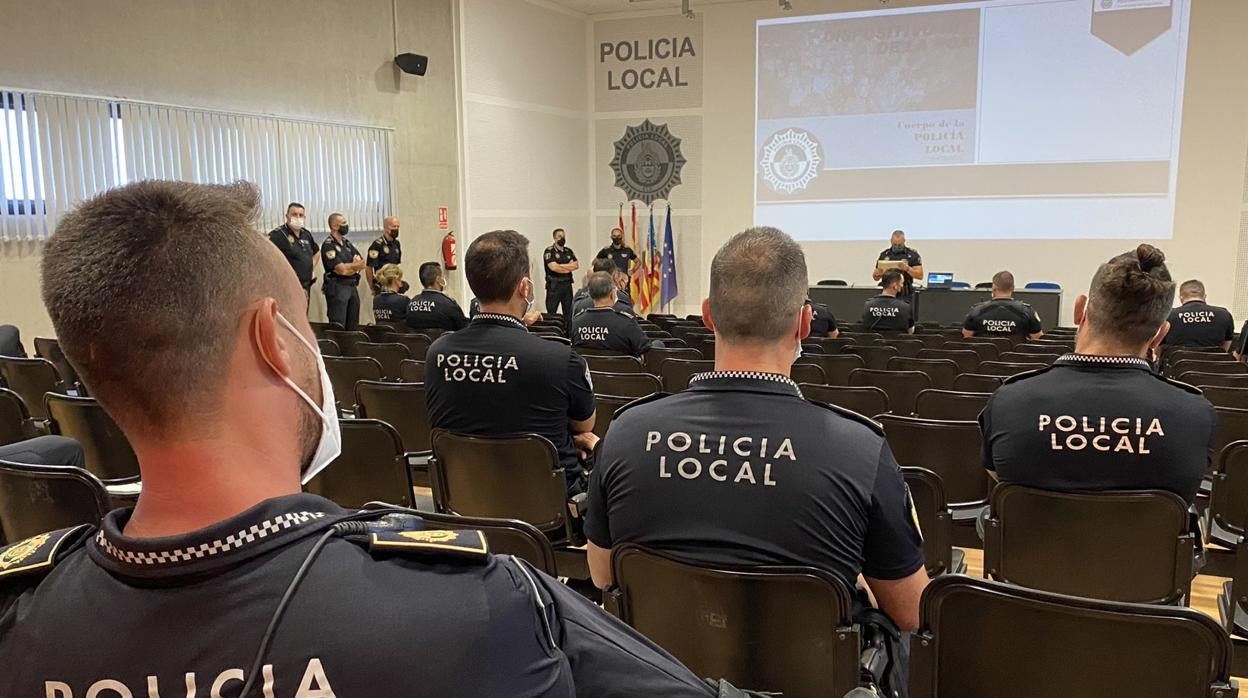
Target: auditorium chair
704,343
977,383
377,332
903,387
953,451
942,371
1056,541
556,338
590,351
50,349
950,405
1224,380
831,282
389,354
674,343
983,639
504,536
675,373
546,330
1228,498
605,407
1054,340
346,340
809,348
686,331
966,359
1030,348
402,406
618,363
320,328
1014,357
931,509
876,356
1006,369
1232,426
866,401
784,630
15,421
983,286
908,348
37,499
417,342
832,345
629,385
328,347
653,359
836,368
1225,397
931,341
372,467
32,378
861,337
345,371
106,450
806,371
985,348
1190,365
412,371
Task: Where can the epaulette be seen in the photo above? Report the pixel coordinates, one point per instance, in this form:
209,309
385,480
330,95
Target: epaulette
379,241
1180,384
39,554
1025,375
641,401
406,534
851,415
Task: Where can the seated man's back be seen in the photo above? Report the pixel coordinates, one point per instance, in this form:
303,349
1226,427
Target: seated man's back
887,312
432,309
1002,317
1195,323
605,327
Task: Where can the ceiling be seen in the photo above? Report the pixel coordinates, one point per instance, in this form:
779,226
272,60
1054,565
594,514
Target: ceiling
598,7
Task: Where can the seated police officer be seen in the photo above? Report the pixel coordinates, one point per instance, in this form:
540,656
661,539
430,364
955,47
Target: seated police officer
432,309
886,312
390,305
1195,323
1002,316
227,414
604,327
494,378
822,322
581,300
1100,419
739,469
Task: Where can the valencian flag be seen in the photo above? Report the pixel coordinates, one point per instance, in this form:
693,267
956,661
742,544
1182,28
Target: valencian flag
653,263
634,281
667,287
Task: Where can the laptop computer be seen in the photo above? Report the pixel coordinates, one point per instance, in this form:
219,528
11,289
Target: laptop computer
939,279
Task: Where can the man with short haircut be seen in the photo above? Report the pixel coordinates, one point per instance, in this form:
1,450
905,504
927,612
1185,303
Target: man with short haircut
911,266
605,327
822,322
1002,316
494,378
297,246
622,256
1195,323
432,309
560,261
887,313
739,469
582,301
228,416
343,264
384,250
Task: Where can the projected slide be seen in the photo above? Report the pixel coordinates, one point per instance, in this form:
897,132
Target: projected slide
1003,119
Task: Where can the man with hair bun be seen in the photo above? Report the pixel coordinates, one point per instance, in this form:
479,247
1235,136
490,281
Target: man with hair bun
1100,418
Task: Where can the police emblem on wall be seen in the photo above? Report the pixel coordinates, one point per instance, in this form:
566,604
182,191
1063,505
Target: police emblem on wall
790,160
647,162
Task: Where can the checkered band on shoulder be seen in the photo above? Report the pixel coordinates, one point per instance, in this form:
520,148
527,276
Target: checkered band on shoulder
230,543
747,375
496,316
1112,360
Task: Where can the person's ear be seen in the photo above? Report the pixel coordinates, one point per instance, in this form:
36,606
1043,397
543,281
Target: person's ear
1081,310
268,339
706,315
1157,338
803,322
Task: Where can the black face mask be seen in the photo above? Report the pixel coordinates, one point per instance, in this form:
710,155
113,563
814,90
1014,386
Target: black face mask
342,229
394,234
559,242
617,241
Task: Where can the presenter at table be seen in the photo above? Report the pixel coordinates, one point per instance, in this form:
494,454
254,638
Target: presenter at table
904,259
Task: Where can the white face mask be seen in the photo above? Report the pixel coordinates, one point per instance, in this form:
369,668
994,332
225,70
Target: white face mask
532,299
296,224
329,447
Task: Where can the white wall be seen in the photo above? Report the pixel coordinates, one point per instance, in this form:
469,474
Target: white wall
318,59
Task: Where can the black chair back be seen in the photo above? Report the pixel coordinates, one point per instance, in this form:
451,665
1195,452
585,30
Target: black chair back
1006,369
876,356
675,373
942,371
1225,380
605,407
614,364
949,449
1226,397
346,340
1228,501
907,348
377,332
836,367
31,378
785,629
1192,365
402,406
36,499
320,328
412,371
371,468
654,358
14,418
630,385
966,359
105,449
417,343
931,341
1056,541
1232,426
866,401
831,345
389,354
704,343
977,383
985,348
50,349
806,371
950,405
328,347
903,387
345,371
1029,348
927,493
982,639
1015,357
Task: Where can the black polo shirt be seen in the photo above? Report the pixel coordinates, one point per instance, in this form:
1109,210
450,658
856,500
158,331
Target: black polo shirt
493,378
383,252
389,306
1002,317
619,256
609,329
299,249
739,469
887,314
334,253
822,323
1098,423
909,256
434,310
1198,324
558,255
623,304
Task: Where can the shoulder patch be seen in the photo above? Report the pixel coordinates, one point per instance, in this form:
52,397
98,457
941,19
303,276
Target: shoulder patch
39,553
1179,384
465,544
330,254
1025,375
851,415
372,254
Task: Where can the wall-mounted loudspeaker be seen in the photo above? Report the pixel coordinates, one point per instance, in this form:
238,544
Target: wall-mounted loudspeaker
412,63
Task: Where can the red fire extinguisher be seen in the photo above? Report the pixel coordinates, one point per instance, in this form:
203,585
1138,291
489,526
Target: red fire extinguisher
448,251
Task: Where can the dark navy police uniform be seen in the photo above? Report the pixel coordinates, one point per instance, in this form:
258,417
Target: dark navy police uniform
909,256
739,469
299,249
494,378
558,286
389,306
342,298
1002,317
1198,324
486,625
383,252
822,322
623,303
1098,423
619,256
609,329
887,314
434,310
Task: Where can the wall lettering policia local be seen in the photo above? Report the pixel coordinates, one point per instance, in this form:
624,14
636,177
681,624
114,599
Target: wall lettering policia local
633,77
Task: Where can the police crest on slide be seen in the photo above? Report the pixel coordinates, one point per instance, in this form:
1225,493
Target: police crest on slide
790,160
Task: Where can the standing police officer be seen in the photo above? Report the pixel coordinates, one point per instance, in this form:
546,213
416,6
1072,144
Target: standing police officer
604,326
703,473
887,312
621,255
222,532
297,246
560,261
1100,419
343,265
1195,323
432,309
494,378
1002,316
911,262
384,250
